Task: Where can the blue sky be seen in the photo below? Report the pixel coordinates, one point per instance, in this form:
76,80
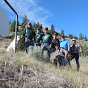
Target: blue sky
69,15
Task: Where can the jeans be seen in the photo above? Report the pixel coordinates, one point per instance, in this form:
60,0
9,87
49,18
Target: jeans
62,62
76,56
46,47
37,44
28,42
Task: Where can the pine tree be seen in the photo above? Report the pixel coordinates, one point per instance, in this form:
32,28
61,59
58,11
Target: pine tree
52,30
85,38
41,28
70,36
14,25
62,32
35,26
81,36
25,20
75,37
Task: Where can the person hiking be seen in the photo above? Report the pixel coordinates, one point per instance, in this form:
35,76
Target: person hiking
29,34
46,39
64,43
54,40
75,50
60,55
38,38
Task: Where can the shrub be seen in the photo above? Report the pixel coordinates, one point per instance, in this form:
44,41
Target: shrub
85,50
36,51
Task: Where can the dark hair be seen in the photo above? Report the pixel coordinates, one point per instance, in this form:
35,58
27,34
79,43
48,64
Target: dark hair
29,23
46,28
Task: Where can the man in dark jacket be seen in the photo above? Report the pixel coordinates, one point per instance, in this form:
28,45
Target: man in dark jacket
53,42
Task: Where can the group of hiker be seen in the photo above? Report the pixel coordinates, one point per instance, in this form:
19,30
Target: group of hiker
50,43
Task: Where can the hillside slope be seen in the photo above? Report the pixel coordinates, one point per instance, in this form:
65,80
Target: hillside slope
21,71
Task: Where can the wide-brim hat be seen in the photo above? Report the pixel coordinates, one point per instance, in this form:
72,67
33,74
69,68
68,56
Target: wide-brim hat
73,39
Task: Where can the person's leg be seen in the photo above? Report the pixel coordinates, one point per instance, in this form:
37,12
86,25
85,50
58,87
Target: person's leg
48,51
31,42
35,44
69,59
77,61
27,45
39,44
55,62
64,62
44,48
59,61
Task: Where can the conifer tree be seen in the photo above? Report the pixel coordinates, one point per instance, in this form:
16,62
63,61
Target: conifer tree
25,20
52,30
62,32
81,36
85,38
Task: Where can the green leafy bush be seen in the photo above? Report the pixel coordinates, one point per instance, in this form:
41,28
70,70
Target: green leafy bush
85,50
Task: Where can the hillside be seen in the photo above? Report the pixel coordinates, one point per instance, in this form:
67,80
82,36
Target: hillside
21,71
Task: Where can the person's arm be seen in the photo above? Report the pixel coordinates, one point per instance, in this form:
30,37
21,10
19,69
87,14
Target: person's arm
50,44
80,49
69,48
68,43
50,41
34,38
22,36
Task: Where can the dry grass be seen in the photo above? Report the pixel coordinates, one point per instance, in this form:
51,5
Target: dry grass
23,71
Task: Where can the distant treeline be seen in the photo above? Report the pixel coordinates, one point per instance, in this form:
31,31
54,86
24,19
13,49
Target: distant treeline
51,30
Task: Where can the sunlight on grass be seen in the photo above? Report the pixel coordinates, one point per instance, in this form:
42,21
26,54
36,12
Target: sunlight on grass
65,75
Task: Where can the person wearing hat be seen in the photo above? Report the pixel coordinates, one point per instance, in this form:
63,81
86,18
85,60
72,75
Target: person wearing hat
46,39
75,50
54,40
29,35
37,37
65,43
60,55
